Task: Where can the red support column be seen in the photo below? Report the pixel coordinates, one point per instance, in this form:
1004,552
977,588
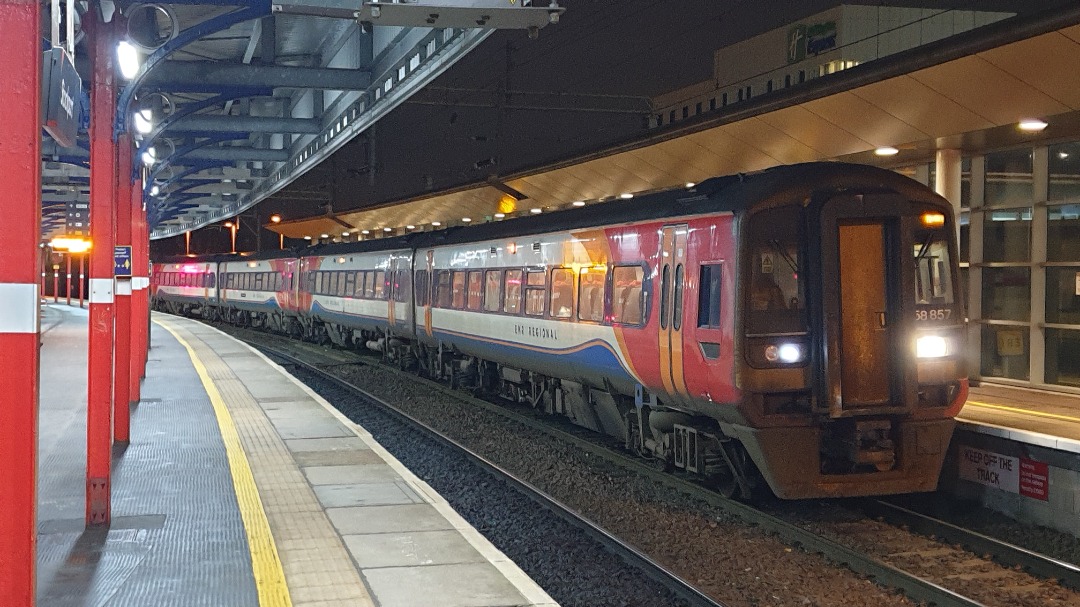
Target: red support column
99,403
122,365
56,283
139,292
67,289
20,262
82,278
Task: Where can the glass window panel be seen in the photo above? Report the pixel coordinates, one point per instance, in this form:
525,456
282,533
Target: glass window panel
709,296
534,300
380,284
492,286
421,285
1063,296
443,294
1063,232
369,284
965,237
627,305
1007,235
512,291
677,310
1064,172
476,290
537,278
402,286
933,280
1006,294
591,293
1008,178
458,288
1062,365
562,293
1005,352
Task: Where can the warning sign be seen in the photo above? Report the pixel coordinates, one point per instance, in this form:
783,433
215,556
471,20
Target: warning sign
1013,474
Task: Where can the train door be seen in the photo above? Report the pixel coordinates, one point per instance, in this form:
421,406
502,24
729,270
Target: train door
672,288
429,291
861,295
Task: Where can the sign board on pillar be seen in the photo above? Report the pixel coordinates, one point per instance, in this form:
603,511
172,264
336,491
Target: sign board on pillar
122,261
61,95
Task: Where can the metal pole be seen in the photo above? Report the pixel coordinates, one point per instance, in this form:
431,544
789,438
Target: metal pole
56,283
187,242
139,284
102,312
67,288
20,263
281,241
82,278
122,362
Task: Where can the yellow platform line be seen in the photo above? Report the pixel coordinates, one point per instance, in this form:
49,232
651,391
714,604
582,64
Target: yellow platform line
266,566
1067,418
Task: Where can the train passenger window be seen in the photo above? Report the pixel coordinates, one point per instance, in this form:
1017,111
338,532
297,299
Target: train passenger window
476,291
677,308
259,281
562,293
350,284
369,284
443,294
627,305
591,293
709,296
402,286
380,285
775,300
512,291
458,289
319,278
664,286
492,284
420,285
535,292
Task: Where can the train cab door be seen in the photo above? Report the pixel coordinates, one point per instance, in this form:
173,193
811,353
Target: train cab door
671,295
860,293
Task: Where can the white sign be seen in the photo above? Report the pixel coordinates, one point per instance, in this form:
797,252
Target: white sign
1078,283
990,469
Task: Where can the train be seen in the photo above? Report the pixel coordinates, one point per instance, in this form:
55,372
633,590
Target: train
798,329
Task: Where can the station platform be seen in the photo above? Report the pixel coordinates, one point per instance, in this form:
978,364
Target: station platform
241,487
1037,416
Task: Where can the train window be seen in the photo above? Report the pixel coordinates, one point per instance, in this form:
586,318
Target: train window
380,285
458,289
933,282
476,291
258,281
350,284
358,285
492,284
443,295
775,298
665,286
677,308
401,286
369,284
512,291
535,292
591,293
709,296
562,293
626,303
319,278
420,284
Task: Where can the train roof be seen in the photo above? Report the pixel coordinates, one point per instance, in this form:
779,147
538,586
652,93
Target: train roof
731,193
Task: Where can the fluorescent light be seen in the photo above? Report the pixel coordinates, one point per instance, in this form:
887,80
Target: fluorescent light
365,231
128,58
144,121
325,236
536,211
466,219
388,229
690,184
436,223
410,227
886,151
626,196
500,215
155,190
579,203
149,157
1032,125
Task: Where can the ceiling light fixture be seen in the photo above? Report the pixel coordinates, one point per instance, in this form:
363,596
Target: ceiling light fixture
1032,125
500,215
466,219
626,196
536,211
886,150
579,203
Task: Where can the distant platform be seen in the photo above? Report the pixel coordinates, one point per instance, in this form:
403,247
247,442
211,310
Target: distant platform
241,487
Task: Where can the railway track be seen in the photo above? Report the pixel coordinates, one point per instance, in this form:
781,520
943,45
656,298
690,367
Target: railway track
914,586
679,588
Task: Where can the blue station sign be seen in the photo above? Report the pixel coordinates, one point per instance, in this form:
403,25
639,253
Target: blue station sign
122,261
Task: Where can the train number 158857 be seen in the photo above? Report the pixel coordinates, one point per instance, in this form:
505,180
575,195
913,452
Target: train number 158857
933,314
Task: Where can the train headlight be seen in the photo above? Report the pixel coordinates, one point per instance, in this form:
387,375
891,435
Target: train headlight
931,346
786,353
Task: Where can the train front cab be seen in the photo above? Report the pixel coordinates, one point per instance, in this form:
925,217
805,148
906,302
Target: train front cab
852,343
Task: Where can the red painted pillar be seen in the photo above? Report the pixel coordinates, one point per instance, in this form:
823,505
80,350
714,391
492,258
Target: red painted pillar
122,366
20,262
56,283
67,288
99,403
82,278
138,295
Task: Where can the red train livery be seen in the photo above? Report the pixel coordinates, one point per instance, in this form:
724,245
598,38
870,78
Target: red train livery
799,328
